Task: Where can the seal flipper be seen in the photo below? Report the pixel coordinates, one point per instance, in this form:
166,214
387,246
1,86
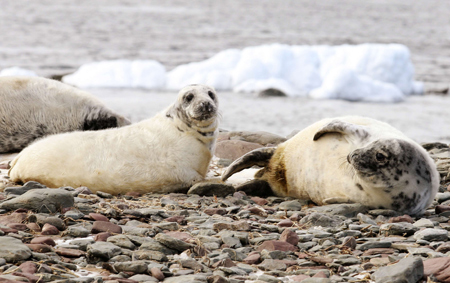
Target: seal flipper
259,156
338,126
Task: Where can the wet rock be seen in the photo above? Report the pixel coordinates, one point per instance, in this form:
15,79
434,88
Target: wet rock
154,245
233,149
13,250
41,200
211,189
409,269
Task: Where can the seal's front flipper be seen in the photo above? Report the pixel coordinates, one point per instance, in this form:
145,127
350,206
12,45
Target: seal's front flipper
259,157
344,128
256,187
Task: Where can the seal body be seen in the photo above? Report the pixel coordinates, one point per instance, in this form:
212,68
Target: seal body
33,107
349,159
166,153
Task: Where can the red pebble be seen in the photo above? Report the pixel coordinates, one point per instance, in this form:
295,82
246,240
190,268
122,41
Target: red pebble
49,229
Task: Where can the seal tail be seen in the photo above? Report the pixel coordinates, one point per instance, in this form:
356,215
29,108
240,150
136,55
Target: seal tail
259,157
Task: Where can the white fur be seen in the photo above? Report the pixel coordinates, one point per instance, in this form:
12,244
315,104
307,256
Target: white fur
318,170
160,154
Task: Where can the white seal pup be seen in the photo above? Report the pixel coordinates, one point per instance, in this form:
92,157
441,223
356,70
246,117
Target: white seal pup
166,153
33,107
347,159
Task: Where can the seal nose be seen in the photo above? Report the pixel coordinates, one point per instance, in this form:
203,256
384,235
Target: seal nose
206,107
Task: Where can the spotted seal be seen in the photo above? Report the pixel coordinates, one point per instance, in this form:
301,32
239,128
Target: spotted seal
347,159
33,107
166,153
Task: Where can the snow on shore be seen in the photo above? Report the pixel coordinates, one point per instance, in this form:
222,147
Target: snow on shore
366,72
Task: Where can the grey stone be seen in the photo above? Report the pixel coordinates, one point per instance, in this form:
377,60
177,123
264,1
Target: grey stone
78,232
424,223
196,278
131,266
407,270
365,219
82,243
41,200
211,189
320,219
430,234
171,226
193,264
317,280
25,188
73,214
401,228
373,245
13,250
42,219
149,255
260,137
172,243
154,245
121,241
347,210
232,242
102,250
143,278
291,205
104,195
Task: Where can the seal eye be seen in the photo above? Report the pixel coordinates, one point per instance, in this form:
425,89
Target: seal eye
189,97
381,157
211,94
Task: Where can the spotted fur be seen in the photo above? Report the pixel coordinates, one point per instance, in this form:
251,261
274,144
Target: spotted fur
33,107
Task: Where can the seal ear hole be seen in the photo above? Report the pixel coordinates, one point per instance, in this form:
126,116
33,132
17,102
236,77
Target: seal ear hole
211,94
189,97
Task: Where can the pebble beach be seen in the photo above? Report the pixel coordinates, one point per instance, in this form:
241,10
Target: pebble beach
215,233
